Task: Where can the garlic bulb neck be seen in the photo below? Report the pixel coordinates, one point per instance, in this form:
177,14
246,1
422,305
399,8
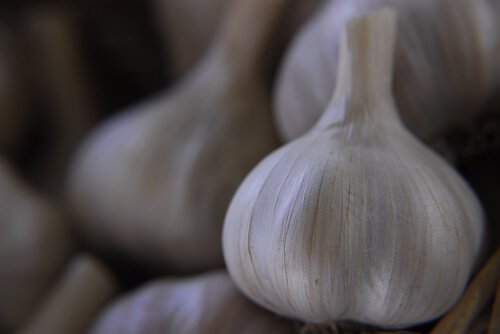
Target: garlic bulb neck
242,44
364,89
443,65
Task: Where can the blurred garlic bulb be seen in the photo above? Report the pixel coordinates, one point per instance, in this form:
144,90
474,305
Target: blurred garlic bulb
208,304
189,26
75,300
442,64
34,245
356,220
154,183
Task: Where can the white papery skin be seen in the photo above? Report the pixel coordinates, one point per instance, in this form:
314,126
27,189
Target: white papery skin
208,304
356,220
443,64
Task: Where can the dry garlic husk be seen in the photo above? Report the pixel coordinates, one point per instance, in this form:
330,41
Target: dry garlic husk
34,245
154,182
442,64
208,304
356,220
189,26
75,300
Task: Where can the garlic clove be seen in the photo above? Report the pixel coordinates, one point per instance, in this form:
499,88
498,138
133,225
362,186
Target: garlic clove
153,183
209,303
355,220
443,67
34,246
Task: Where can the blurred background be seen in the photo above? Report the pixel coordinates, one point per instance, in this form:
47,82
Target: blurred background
67,65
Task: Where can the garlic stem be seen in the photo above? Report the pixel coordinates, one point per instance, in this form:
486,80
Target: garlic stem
365,70
242,42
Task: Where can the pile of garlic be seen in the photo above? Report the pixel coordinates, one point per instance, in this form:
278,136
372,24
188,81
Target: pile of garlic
353,222
350,222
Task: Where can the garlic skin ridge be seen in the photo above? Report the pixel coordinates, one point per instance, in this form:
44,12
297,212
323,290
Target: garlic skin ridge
356,220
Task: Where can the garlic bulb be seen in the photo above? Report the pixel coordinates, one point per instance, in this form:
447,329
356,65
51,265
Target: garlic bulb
208,304
189,26
34,245
442,64
154,183
356,220
75,300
